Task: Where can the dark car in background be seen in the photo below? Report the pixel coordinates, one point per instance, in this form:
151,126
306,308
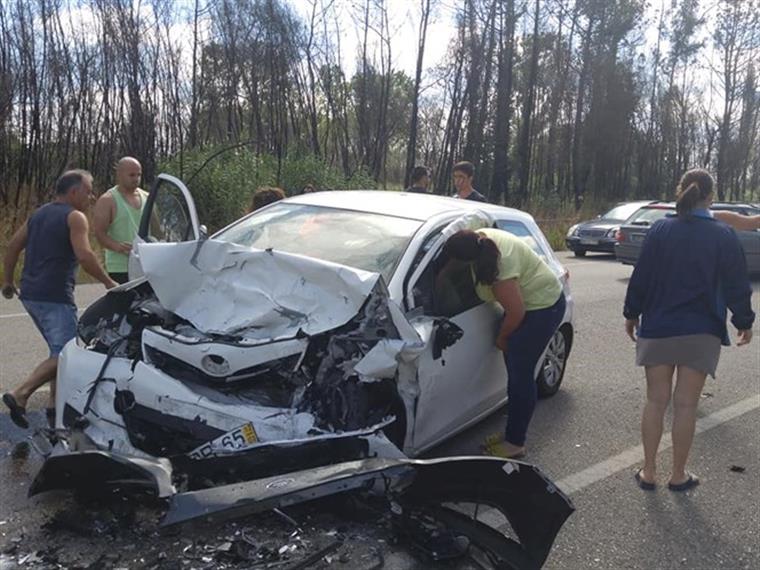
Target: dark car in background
631,234
599,234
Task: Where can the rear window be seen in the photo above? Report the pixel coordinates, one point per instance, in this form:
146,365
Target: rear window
648,216
521,230
621,212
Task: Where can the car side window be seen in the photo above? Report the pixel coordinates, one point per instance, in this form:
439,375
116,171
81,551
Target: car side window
521,230
170,219
446,292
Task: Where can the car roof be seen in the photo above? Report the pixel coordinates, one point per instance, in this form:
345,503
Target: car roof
715,205
643,202
408,205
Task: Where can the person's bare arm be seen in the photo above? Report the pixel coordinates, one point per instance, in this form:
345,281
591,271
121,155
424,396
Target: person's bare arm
78,228
508,295
12,253
102,218
737,221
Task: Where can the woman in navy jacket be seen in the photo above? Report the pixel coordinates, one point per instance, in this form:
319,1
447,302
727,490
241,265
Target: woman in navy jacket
690,269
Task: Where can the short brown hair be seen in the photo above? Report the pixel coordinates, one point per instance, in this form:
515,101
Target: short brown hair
465,167
266,195
695,186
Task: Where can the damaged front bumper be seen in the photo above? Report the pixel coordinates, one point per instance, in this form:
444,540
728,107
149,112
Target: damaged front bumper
507,510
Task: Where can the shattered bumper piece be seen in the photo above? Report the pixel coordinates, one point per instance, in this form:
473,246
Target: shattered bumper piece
517,493
418,490
95,469
250,497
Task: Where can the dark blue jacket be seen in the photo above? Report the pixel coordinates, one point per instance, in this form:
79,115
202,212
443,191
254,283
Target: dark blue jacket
689,270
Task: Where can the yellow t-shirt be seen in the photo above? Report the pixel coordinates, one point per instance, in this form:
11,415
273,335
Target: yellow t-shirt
539,287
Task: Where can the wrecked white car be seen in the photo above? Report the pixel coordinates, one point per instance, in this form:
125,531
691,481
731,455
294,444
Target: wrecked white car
307,349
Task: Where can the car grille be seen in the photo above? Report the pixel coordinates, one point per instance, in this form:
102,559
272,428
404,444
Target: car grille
591,233
263,383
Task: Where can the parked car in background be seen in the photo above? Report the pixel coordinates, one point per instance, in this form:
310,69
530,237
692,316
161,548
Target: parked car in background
599,234
631,234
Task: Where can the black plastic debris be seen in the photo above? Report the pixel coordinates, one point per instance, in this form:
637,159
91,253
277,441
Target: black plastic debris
315,557
737,469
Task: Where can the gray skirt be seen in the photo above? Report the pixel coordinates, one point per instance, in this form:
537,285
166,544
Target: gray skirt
697,351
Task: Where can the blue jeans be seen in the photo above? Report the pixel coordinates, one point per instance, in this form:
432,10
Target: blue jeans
524,348
57,322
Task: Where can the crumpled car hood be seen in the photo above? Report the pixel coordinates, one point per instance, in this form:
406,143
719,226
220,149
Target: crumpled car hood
224,288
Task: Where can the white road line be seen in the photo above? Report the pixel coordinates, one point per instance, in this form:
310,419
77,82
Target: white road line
14,315
633,455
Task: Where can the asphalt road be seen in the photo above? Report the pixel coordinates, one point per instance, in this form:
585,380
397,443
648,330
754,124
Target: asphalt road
586,439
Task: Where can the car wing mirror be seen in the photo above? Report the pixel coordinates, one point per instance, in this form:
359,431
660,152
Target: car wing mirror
446,334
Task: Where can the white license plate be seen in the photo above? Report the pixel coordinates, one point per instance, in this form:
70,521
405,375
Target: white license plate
235,440
589,241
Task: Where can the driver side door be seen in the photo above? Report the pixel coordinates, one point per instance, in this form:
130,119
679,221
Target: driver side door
169,216
461,382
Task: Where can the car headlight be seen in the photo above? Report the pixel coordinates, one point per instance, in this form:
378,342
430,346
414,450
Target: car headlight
611,232
572,230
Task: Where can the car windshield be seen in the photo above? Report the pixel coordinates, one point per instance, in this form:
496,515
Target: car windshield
648,216
622,211
372,242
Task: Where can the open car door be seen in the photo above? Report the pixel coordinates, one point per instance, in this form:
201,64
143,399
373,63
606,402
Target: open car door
169,216
462,373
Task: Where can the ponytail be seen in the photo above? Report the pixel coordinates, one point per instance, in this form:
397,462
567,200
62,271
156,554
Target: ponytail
695,186
687,200
467,245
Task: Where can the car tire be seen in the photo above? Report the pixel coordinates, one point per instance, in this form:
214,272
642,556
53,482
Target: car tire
555,361
579,252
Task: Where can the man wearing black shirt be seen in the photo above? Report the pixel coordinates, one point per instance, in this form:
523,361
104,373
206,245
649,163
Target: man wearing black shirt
462,175
420,180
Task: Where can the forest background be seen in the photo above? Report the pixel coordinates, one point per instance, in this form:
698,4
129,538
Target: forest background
564,106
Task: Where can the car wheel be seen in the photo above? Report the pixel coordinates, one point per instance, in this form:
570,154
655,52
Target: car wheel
553,369
579,252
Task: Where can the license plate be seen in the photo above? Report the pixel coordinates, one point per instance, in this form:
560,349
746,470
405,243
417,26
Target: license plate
589,241
235,440
637,237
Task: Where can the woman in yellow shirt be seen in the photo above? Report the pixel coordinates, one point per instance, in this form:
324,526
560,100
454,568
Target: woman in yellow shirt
507,271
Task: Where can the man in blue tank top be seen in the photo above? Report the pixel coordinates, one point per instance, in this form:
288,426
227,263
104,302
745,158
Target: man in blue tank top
56,242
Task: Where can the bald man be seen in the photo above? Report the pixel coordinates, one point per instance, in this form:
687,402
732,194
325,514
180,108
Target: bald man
117,217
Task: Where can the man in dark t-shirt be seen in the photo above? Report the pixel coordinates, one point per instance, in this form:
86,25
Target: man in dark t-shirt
462,175
420,180
56,243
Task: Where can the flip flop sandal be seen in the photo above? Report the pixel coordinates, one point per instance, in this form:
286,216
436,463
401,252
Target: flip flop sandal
18,413
495,448
690,483
644,485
